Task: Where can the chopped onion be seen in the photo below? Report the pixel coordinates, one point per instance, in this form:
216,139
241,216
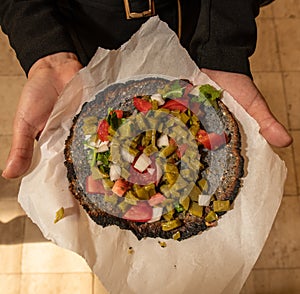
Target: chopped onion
151,170
114,172
103,146
142,162
156,215
127,156
163,140
195,91
157,97
204,200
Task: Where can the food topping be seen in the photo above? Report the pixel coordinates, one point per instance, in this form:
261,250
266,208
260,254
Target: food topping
148,164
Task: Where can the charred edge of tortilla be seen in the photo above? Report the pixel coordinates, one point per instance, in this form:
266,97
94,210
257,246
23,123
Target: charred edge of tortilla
192,225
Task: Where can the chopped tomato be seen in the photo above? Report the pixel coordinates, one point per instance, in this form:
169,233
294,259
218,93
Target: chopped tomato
172,142
102,131
118,112
94,186
156,199
142,212
141,104
120,187
211,141
176,104
181,149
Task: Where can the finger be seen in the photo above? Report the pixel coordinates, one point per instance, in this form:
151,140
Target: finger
20,155
270,128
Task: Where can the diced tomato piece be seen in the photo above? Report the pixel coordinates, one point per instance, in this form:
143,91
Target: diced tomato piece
94,186
102,131
181,149
176,104
156,199
211,141
120,187
118,112
142,212
141,104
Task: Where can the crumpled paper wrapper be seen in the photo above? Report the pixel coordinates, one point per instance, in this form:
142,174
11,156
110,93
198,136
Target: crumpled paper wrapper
217,261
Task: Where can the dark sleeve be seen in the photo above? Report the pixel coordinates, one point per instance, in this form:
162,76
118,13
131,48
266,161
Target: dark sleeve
225,36
34,28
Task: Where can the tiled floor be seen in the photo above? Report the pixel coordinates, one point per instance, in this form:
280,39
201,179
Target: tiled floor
30,264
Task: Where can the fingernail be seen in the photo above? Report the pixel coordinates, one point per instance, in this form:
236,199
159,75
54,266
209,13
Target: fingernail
4,173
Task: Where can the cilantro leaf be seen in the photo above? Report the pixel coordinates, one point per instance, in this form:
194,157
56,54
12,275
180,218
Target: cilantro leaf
207,95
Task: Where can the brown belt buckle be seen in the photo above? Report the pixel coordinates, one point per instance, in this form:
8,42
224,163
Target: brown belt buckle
146,13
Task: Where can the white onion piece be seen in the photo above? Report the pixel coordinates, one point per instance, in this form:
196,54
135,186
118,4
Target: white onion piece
115,172
142,162
156,215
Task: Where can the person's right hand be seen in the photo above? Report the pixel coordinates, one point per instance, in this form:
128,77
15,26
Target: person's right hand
46,80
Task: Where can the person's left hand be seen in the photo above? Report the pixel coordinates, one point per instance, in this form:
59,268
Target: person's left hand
244,91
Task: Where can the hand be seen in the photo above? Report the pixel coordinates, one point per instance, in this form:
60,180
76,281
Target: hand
243,90
46,80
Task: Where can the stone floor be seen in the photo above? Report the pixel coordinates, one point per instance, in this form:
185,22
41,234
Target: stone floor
31,264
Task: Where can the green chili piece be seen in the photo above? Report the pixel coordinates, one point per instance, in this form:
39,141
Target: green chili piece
184,117
176,236
195,192
131,198
203,185
171,178
89,129
150,149
96,174
168,150
170,225
141,122
90,120
107,184
154,104
147,138
113,199
171,168
196,210
165,190
169,215
211,217
115,152
185,202
194,129
125,173
221,205
123,205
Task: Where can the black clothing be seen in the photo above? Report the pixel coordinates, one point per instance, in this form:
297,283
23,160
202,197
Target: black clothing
218,34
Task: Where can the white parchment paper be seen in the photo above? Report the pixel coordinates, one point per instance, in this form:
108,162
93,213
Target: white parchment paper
217,261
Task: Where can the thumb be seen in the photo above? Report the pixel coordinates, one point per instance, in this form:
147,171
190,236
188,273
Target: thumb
19,159
270,128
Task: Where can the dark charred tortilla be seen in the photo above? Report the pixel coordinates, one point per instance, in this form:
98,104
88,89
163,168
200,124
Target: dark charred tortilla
119,96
